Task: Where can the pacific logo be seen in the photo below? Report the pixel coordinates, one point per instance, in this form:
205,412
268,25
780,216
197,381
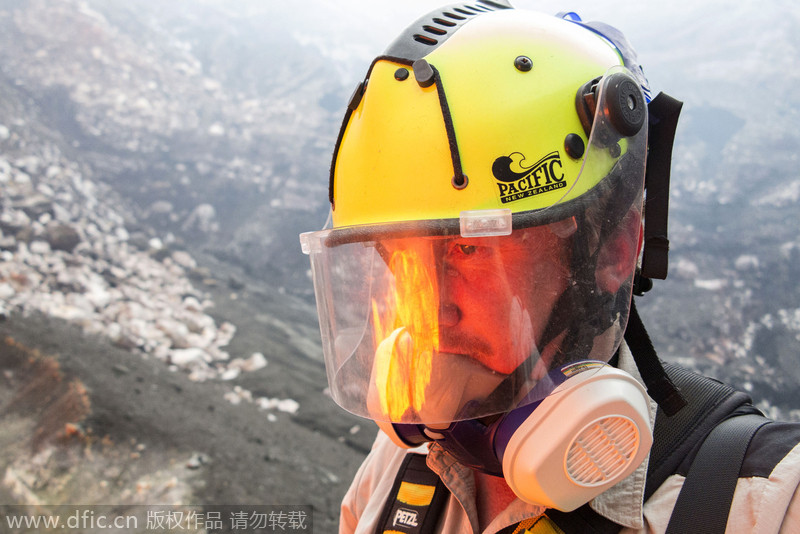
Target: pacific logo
517,181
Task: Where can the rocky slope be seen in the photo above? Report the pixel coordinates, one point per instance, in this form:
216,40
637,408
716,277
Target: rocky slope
86,421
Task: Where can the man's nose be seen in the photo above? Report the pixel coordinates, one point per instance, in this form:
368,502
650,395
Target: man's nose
449,315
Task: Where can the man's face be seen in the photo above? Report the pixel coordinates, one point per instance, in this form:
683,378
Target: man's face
492,296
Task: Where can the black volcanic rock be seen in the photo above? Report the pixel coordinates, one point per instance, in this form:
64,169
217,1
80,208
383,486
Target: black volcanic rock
62,237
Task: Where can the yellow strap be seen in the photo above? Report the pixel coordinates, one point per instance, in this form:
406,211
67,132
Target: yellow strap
415,494
538,525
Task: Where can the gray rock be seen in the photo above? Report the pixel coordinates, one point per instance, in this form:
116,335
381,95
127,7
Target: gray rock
62,237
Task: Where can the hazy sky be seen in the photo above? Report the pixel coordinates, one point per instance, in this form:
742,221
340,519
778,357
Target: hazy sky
705,45
363,28
387,18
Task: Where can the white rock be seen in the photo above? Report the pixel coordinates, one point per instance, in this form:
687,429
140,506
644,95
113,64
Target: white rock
282,405
52,172
30,164
184,259
218,355
192,304
255,362
266,404
243,393
5,171
6,291
216,129
183,357
70,280
60,213
288,406
746,262
232,397
202,218
711,285
68,312
225,333
161,207
22,178
40,247
176,331
45,189
787,249
121,233
686,268
230,373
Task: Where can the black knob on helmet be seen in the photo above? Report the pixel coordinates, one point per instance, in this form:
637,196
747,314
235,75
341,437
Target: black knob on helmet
626,107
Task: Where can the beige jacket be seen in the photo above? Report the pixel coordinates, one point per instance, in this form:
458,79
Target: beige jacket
760,505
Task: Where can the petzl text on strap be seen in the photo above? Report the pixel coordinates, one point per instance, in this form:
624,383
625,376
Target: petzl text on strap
416,500
704,501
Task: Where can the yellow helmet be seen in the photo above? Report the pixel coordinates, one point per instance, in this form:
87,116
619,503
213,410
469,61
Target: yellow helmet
480,108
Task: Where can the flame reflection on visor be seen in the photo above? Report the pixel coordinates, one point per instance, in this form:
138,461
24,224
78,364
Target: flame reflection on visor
411,304
479,283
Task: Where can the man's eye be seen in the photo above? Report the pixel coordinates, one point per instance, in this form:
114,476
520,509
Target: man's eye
467,249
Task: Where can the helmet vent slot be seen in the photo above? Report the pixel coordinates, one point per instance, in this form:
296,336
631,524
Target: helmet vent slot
448,19
434,30
453,16
602,451
442,22
425,40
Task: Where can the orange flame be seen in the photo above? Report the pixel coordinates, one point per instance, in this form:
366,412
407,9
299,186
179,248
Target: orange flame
412,304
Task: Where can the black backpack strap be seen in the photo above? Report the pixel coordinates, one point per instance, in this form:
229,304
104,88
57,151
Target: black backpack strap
584,520
677,438
703,508
416,500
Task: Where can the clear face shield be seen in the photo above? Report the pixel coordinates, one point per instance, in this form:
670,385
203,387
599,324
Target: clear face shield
437,321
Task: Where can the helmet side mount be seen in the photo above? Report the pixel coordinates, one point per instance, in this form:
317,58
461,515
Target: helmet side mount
626,105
